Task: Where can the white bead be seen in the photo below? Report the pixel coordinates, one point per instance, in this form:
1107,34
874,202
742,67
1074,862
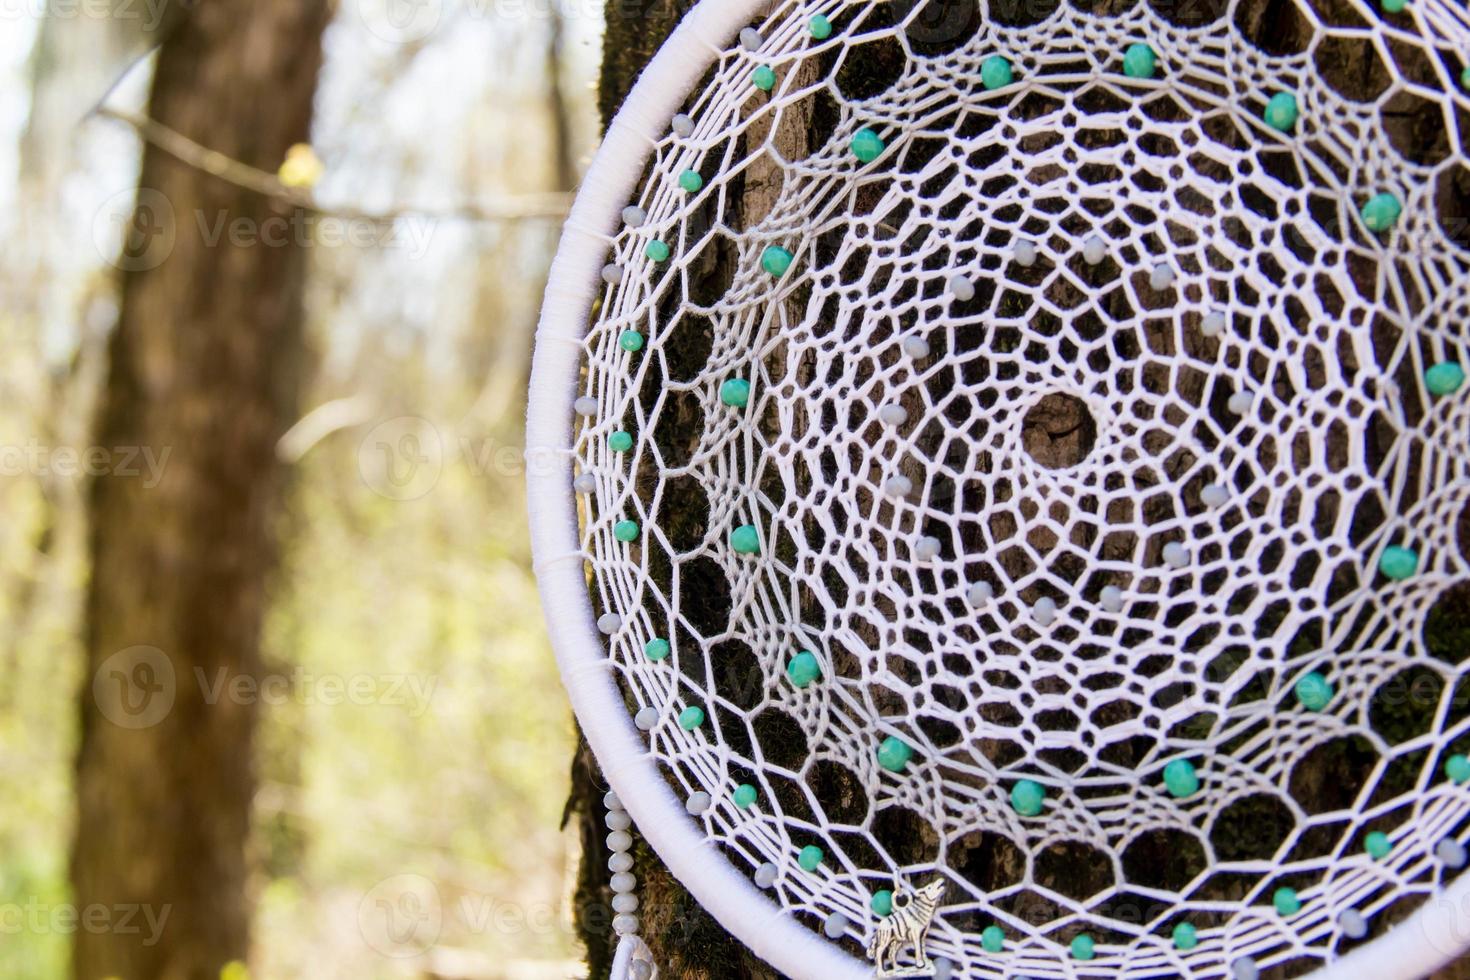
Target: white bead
697,803
625,925
916,347
1354,926
1241,402
609,623
898,486
835,925
962,289
927,548
683,126
619,840
626,902
634,216
943,968
1111,598
980,593
640,970
1093,250
1162,277
1176,555
893,414
1450,852
612,274
585,483
621,861
1213,324
750,39
623,881
1025,253
1245,969
765,875
1214,495
1045,610
586,405
617,820
646,718
610,801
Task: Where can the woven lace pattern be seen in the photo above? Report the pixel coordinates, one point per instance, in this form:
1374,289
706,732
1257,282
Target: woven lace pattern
1169,430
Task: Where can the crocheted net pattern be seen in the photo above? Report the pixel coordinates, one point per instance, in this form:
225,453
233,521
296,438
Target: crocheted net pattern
1168,430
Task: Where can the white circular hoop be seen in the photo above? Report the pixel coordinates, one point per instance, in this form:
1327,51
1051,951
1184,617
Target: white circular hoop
1433,935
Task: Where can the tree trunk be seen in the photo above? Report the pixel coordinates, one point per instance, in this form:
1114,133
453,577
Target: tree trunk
203,380
685,940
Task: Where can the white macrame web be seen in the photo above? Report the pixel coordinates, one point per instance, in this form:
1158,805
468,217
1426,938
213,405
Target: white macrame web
1171,471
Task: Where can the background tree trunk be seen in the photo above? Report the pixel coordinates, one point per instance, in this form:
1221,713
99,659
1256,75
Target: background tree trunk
204,370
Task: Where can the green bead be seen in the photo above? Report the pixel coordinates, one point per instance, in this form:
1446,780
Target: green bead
691,181
1377,845
820,27
744,796
1465,77
995,72
1083,947
1185,936
1444,378
1281,112
1398,563
894,754
735,392
803,668
776,260
691,717
1394,6
626,531
620,442
631,340
656,649
1139,61
993,939
657,251
1286,901
1027,797
746,540
1382,211
810,857
866,145
1180,778
882,902
1457,767
1314,691
764,78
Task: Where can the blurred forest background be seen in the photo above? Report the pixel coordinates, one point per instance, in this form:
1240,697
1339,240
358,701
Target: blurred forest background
410,737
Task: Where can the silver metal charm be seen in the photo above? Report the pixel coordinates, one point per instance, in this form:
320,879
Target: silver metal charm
907,925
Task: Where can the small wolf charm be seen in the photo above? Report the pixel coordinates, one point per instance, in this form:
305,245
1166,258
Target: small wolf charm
907,925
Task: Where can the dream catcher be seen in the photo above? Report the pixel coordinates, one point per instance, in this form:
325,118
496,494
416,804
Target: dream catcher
1001,484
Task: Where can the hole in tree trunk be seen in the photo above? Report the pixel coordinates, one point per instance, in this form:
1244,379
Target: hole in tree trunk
1058,431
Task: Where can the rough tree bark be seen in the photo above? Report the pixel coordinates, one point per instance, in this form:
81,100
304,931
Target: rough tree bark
204,367
685,941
